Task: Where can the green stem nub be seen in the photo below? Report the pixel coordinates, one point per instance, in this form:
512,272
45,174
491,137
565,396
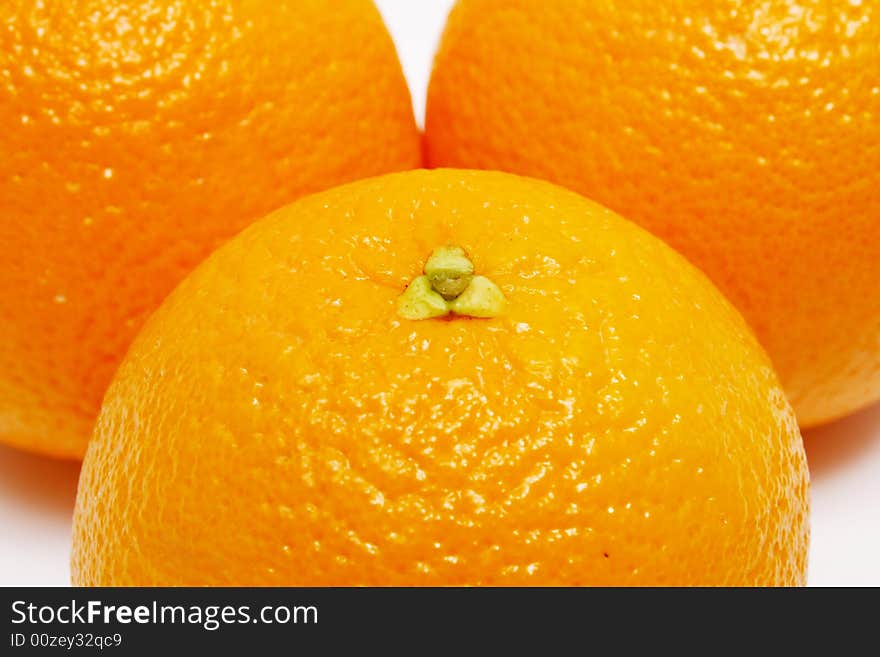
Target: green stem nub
449,286
449,271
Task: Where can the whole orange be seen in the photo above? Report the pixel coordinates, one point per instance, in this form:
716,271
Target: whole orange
278,422
137,136
745,133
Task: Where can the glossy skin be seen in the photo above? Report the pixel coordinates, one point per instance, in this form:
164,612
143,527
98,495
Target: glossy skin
746,134
136,137
277,422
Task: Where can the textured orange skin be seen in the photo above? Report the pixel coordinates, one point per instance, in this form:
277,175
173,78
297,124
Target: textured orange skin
277,423
746,134
136,137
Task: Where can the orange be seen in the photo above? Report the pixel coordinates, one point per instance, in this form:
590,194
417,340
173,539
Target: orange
137,136
746,134
278,422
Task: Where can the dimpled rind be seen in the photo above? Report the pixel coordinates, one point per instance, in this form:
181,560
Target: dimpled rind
744,133
277,422
136,137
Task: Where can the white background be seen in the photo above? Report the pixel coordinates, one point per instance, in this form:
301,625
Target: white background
36,494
